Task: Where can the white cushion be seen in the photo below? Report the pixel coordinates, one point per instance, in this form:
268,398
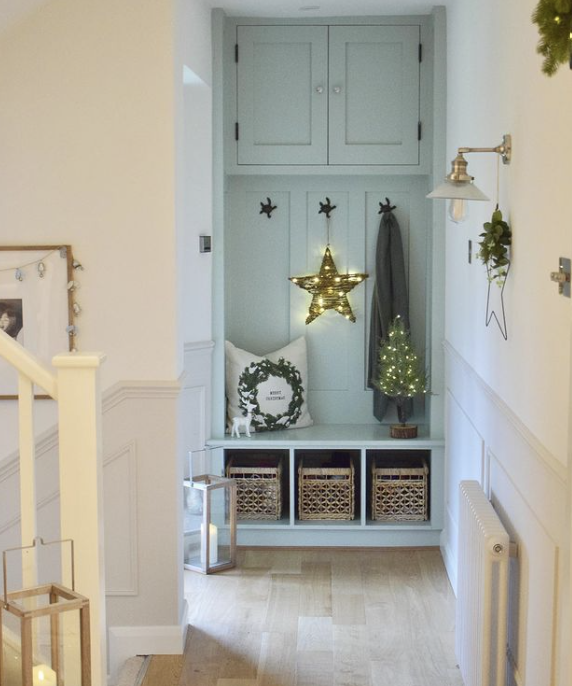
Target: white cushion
273,387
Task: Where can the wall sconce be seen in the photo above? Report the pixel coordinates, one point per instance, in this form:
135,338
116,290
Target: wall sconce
459,187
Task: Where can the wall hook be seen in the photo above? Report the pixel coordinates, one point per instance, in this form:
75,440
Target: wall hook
267,208
326,207
388,207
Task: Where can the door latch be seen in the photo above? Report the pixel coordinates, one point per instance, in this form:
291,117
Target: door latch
562,277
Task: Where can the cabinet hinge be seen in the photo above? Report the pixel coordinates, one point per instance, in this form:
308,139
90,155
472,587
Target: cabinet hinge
236,52
236,131
419,131
420,52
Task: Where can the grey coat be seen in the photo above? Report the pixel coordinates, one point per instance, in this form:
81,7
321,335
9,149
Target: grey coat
389,300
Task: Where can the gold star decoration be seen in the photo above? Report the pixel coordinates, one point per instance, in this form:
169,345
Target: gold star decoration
329,289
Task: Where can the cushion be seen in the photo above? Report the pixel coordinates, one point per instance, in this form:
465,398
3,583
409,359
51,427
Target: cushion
273,387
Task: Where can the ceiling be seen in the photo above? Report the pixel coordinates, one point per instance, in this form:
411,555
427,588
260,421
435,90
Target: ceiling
321,8
11,11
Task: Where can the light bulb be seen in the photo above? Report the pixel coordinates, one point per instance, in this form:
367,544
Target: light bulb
458,210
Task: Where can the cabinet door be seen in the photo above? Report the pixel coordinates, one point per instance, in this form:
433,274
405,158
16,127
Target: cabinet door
374,95
282,94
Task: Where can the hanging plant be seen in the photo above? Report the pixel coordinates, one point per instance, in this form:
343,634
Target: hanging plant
554,19
493,248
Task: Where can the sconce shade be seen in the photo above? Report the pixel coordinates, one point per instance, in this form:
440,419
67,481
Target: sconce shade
455,190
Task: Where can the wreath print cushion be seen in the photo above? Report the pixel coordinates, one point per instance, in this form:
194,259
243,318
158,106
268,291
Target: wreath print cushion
273,387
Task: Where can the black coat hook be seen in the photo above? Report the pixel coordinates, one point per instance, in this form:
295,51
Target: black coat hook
326,208
388,207
267,208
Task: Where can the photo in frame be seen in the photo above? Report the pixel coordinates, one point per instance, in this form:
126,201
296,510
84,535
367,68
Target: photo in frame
36,304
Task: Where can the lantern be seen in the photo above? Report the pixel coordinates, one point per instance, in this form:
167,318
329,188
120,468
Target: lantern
44,633
210,545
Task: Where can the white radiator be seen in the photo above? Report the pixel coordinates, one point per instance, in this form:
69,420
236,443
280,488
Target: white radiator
482,589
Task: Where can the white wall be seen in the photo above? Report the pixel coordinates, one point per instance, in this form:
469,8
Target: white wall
508,401
496,87
193,133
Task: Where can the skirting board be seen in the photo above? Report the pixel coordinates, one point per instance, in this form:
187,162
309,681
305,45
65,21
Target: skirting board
127,641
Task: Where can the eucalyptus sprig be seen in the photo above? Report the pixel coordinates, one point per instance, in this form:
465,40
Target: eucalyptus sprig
493,248
554,19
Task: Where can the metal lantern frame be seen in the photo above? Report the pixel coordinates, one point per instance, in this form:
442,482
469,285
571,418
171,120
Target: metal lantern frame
206,484
61,600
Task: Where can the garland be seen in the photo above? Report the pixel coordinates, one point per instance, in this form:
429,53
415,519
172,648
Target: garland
494,245
257,373
554,19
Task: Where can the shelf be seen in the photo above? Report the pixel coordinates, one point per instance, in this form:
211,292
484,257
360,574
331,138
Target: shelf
330,436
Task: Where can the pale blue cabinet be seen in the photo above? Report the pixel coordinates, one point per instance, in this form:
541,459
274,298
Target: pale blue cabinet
374,95
328,95
282,94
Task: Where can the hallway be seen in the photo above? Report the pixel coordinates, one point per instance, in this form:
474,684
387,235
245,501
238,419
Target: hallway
331,617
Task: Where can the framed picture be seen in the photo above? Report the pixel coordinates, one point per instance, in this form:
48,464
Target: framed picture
36,304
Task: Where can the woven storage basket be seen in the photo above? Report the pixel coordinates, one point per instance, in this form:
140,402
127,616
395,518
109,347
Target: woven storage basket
399,493
326,492
258,488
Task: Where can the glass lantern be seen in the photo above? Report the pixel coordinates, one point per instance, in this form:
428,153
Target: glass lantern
210,529
44,633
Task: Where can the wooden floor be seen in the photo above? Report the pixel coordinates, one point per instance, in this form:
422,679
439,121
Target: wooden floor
322,618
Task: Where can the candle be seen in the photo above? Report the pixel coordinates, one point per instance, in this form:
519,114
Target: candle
44,676
213,547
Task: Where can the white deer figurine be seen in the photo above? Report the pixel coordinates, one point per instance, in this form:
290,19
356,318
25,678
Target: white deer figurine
237,422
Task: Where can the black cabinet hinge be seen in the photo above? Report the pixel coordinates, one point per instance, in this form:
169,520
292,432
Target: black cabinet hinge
420,52
419,131
236,52
236,131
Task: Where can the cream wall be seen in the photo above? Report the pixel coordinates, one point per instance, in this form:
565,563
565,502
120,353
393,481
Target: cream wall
87,149
96,151
508,401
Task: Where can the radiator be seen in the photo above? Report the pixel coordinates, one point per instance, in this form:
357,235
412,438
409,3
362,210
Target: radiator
482,590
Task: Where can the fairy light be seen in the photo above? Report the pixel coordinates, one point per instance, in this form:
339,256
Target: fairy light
329,289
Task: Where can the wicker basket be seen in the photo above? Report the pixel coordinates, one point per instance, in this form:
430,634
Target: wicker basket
258,488
399,493
326,492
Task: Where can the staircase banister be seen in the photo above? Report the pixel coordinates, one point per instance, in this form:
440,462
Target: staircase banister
28,364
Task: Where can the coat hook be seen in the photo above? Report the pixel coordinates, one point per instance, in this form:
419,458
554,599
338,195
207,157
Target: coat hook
388,207
267,208
326,208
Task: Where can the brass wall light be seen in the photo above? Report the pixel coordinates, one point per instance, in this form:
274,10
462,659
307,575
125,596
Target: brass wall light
458,186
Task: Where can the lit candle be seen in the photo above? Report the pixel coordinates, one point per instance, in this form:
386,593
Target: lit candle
44,676
213,540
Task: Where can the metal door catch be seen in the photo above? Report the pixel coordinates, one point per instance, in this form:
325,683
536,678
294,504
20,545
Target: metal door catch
562,277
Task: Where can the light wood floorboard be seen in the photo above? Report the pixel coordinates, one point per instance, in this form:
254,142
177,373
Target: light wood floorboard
321,618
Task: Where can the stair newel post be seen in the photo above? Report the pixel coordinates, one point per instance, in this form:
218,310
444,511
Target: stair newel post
81,488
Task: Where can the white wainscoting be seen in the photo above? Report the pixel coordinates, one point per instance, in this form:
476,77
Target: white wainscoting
149,427
527,486
121,532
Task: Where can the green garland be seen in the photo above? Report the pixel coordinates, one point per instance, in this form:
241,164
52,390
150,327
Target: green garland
258,372
554,19
494,245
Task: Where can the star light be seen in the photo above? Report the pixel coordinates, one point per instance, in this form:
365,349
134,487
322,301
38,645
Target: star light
329,289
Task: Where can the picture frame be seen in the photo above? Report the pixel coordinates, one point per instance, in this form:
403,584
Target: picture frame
36,304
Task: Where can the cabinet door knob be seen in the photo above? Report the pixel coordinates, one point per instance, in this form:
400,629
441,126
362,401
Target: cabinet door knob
319,89
337,89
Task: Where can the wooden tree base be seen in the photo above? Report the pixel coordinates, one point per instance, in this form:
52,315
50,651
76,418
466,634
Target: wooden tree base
403,431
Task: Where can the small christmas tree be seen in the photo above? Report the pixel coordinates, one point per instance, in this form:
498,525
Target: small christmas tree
401,372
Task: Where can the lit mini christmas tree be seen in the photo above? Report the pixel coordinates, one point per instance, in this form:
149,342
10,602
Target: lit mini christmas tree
401,372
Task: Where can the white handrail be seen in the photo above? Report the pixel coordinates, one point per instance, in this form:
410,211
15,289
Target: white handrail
28,364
